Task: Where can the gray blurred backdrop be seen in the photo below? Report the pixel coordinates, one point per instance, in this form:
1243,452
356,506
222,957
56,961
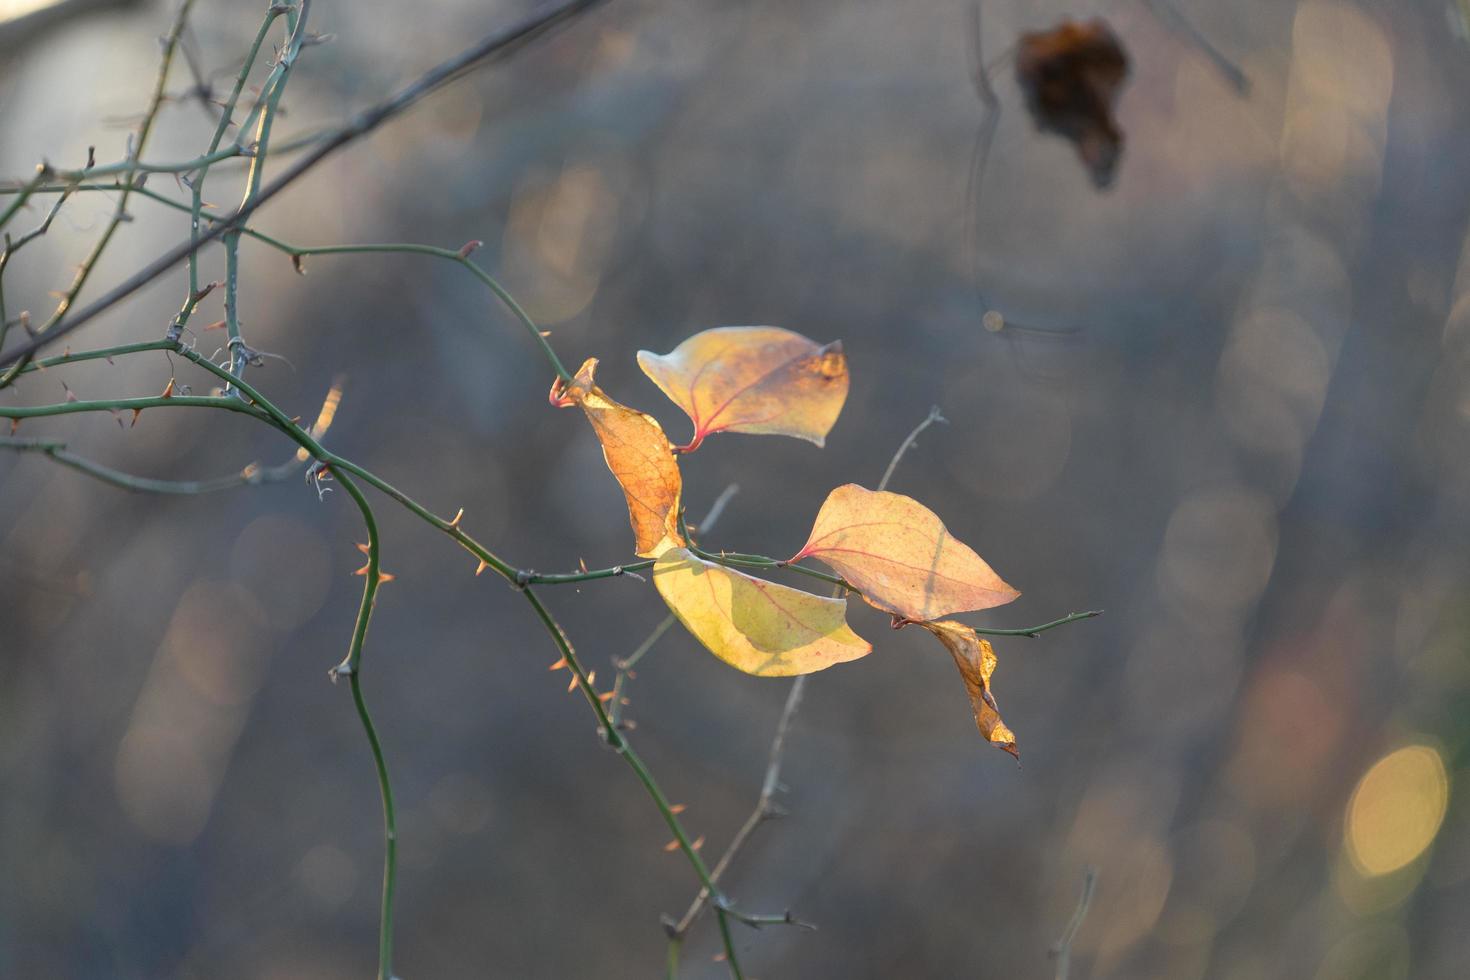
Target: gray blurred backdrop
1239,422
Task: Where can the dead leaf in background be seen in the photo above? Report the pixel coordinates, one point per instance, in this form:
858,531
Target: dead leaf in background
762,380
900,556
639,455
975,658
1071,76
753,625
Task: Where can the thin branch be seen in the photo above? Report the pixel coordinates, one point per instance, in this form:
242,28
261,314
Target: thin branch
491,46
1062,950
241,356
1174,20
251,475
297,252
765,806
196,189
909,442
119,214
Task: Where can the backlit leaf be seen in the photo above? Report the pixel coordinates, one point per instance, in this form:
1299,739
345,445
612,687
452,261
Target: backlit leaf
900,556
639,455
762,380
975,658
754,625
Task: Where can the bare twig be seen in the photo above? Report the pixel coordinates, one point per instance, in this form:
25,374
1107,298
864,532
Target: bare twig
1174,20
1061,951
496,44
119,214
765,805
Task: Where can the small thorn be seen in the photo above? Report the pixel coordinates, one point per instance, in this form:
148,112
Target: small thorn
385,577
606,696
455,522
671,846
469,247
559,664
572,684
698,843
362,547
362,571
678,808
482,566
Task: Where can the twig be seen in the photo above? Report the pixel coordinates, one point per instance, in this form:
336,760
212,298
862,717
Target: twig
492,45
1174,20
765,807
909,442
196,188
251,475
119,214
241,356
1061,951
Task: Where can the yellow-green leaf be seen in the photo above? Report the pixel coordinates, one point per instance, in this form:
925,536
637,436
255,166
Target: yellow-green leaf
640,457
762,380
754,625
900,556
975,658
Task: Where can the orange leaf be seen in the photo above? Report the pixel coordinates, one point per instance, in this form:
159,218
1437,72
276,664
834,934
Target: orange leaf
976,660
762,380
640,457
753,625
900,556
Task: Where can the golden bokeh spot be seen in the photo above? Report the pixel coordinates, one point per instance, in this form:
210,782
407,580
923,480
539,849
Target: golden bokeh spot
1396,810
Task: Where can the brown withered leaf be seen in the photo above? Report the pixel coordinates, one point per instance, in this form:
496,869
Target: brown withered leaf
1071,76
760,380
640,457
975,658
900,556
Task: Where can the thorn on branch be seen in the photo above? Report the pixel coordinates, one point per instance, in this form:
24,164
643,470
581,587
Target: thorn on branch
468,247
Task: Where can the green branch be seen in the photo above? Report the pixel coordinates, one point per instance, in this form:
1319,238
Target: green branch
251,475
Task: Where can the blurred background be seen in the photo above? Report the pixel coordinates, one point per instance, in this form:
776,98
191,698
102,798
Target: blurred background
1230,405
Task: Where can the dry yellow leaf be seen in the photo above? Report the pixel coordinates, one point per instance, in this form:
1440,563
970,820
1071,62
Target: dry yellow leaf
900,556
640,457
754,625
975,658
762,380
